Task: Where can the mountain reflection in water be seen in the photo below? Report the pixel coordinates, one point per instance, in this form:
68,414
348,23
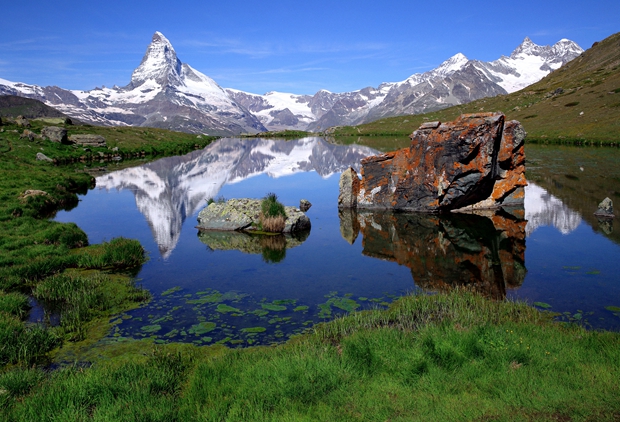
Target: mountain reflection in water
170,189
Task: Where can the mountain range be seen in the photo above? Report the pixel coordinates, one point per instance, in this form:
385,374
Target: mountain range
167,93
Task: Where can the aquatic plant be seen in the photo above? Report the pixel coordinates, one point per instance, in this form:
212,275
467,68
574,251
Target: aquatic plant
273,215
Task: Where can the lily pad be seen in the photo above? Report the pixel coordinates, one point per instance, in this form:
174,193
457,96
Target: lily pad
285,302
223,308
273,307
346,304
202,328
542,305
613,308
151,328
170,291
301,308
254,330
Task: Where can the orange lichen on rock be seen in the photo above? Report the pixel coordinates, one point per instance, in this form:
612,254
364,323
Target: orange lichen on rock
475,162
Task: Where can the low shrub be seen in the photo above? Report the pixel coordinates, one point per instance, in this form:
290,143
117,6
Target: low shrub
273,215
273,224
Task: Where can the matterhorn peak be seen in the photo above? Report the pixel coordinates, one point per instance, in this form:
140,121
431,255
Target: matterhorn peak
159,64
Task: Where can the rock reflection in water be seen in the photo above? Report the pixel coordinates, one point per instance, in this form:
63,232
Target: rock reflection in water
271,247
484,252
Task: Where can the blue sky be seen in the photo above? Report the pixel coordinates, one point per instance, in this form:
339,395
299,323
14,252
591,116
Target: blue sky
290,46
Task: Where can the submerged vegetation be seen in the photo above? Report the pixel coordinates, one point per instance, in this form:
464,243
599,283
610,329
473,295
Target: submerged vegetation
452,356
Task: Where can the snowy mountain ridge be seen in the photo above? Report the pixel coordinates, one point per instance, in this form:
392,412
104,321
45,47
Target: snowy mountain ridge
165,92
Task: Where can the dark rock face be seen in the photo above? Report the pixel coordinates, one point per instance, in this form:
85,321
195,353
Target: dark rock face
484,251
55,134
474,162
304,205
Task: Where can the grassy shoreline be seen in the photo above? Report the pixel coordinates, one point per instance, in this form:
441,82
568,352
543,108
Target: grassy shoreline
453,356
52,263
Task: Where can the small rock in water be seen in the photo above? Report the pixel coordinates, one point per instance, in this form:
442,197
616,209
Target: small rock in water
605,208
304,205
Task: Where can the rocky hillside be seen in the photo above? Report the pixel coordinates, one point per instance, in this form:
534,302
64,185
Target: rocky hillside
12,106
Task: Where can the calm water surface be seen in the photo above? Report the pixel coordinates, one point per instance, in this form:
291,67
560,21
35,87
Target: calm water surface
243,290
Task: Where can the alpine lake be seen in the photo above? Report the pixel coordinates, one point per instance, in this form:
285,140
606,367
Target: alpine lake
241,290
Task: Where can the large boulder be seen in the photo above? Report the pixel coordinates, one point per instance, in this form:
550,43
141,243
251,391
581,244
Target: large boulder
55,134
21,121
474,162
244,214
88,140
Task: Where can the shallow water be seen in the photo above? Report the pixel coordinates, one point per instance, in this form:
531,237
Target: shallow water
239,290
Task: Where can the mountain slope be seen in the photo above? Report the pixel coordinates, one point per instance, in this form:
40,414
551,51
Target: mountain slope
579,101
13,106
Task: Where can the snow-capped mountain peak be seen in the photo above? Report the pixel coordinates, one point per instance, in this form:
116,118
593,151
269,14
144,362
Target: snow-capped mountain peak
453,64
566,48
160,63
527,47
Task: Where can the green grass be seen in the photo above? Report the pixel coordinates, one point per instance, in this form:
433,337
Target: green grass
53,262
444,357
589,84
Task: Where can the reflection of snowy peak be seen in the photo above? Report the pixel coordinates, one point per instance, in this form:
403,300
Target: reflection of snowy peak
171,189
544,209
